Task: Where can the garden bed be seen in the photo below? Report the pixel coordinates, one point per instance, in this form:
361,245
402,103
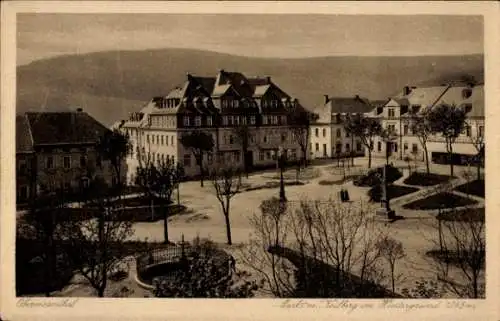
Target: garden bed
440,200
271,185
475,188
424,179
393,191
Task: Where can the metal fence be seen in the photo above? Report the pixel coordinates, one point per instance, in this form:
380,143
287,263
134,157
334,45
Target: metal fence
153,263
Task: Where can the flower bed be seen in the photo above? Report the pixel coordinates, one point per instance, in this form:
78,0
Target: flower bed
440,200
475,187
393,191
424,179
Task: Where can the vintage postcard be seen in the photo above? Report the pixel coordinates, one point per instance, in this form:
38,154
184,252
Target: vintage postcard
249,160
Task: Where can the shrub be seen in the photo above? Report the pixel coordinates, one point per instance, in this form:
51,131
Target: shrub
374,176
393,191
424,290
424,179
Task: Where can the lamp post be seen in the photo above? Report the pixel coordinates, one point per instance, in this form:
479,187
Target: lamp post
281,165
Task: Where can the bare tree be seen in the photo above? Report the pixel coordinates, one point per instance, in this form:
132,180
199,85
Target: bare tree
114,146
300,124
421,127
478,141
448,121
243,138
200,143
366,129
226,183
96,246
392,251
462,250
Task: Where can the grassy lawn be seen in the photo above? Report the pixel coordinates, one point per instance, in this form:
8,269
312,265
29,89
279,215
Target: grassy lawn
475,187
394,191
440,200
374,176
424,179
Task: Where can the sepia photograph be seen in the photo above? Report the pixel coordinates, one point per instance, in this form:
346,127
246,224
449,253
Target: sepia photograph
250,155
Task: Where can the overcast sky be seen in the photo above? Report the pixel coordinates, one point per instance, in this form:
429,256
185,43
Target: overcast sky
288,36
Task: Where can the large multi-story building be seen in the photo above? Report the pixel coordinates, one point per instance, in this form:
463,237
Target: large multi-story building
328,137
57,150
395,115
216,105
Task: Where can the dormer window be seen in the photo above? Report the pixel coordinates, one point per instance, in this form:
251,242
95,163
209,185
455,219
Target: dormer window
186,120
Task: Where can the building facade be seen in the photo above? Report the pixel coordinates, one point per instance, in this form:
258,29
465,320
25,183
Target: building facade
57,150
328,137
395,115
216,105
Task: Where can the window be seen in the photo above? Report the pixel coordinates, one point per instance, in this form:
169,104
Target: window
22,167
268,155
391,113
294,153
395,147
358,146
209,120
379,146
324,132
244,120
338,148
283,138
275,120
197,121
324,150
67,186
252,120
317,147
264,120
186,120
147,138
316,132
172,141
98,161
481,131
405,146
264,139
230,120
162,140
339,132
261,155
235,102
347,147
347,134
237,157
391,128
83,161
414,148
231,140
405,130
66,161
85,182
210,159
187,160
224,120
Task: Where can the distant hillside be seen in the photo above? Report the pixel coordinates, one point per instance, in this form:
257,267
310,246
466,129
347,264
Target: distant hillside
111,84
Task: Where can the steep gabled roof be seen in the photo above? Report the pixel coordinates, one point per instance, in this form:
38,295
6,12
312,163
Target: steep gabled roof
349,105
477,102
64,128
424,96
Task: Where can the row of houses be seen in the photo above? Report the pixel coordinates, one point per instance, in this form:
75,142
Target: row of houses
329,138
55,149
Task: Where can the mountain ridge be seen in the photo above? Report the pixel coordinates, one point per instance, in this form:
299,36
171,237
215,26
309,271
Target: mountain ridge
111,84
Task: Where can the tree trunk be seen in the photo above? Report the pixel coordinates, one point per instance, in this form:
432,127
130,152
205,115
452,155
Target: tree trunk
369,158
478,170
426,156
165,224
100,292
178,194
201,175
392,280
450,158
228,225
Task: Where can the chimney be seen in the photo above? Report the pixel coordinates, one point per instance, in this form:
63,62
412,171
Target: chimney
79,110
188,76
221,71
356,97
326,99
268,79
406,90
